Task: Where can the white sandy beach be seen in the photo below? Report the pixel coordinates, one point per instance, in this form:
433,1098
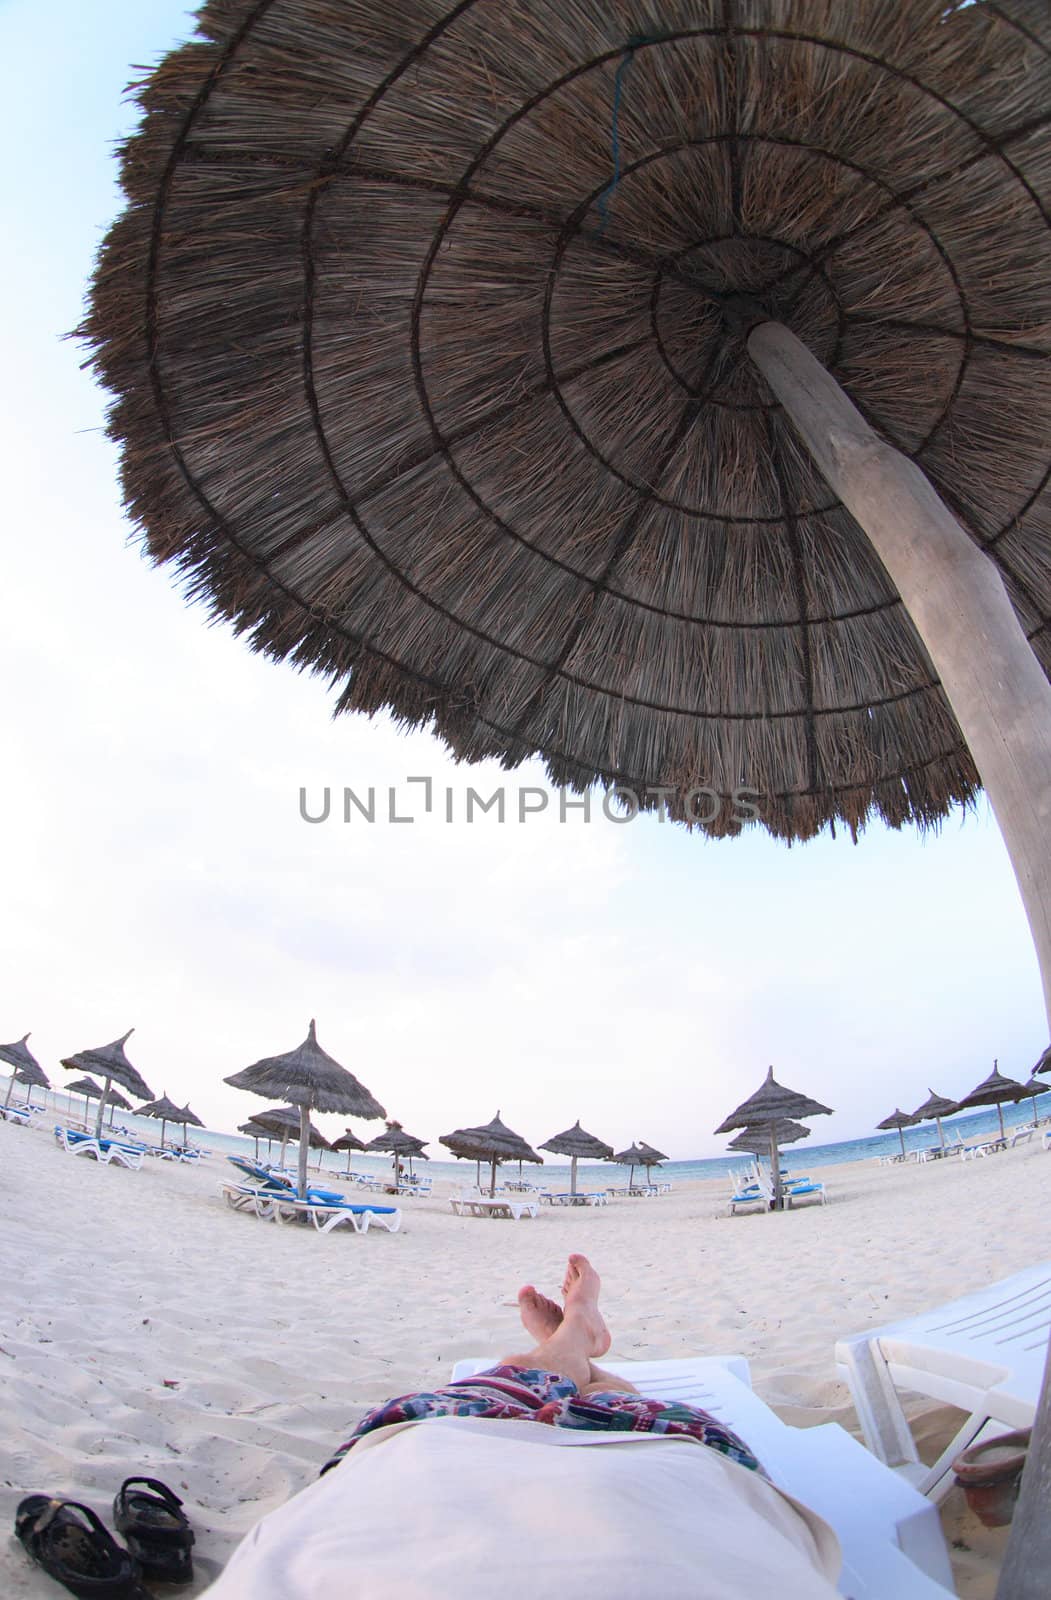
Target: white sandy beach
146,1328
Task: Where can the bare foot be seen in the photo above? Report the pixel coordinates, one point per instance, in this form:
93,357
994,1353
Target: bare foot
580,1290
540,1316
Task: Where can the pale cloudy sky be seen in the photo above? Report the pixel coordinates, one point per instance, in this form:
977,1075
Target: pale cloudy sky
156,872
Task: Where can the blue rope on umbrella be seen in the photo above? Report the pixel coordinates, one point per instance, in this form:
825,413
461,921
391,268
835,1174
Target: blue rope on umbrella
636,40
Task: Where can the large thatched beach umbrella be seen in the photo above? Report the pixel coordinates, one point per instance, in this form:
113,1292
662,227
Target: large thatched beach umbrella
576,1144
26,1069
582,382
110,1063
772,1103
1044,1064
902,1119
935,1107
995,1090
493,1142
309,1078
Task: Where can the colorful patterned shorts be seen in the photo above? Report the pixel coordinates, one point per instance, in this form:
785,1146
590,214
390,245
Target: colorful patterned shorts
527,1394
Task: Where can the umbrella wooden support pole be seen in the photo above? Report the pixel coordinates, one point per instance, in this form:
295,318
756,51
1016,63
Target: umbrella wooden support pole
957,601
572,1174
1001,700
304,1148
775,1171
102,1108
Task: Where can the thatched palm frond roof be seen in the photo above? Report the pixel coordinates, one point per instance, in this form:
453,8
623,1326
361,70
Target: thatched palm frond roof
84,1086
757,1140
993,1090
348,1141
634,1156
27,1068
417,396
308,1076
1044,1064
653,1154
1036,1087
493,1139
576,1142
395,1141
115,1098
771,1103
110,1061
935,1105
897,1119
277,1121
164,1110
189,1118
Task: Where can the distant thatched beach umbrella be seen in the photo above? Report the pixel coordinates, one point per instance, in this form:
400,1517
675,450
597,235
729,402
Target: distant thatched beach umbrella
636,1155
349,1142
312,1080
578,1145
116,1102
255,1133
654,1157
286,1122
110,1064
493,1142
900,1119
165,1111
88,1088
771,1104
1034,1088
995,1090
935,1107
26,1068
396,1142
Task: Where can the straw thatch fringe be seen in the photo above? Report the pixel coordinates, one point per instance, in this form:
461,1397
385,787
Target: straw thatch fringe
393,403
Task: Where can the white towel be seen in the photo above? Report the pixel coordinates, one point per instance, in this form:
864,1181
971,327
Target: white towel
468,1508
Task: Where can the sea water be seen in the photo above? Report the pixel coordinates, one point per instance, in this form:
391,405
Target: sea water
798,1158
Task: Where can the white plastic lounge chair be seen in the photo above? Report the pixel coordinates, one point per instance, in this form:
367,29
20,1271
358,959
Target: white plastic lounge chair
105,1151
984,1353
752,1194
329,1214
473,1204
272,1197
891,1536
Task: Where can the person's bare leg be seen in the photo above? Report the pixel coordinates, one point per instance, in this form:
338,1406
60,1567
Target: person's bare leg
568,1339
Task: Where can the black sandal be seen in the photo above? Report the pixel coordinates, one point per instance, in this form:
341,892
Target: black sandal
71,1544
157,1532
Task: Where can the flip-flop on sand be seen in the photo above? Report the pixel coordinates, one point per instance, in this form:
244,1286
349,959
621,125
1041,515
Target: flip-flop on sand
72,1545
155,1529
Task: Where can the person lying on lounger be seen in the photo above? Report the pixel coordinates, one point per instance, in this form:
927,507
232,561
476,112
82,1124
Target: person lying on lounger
477,1504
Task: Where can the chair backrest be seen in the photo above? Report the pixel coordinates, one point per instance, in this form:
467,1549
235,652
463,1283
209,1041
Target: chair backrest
258,1174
